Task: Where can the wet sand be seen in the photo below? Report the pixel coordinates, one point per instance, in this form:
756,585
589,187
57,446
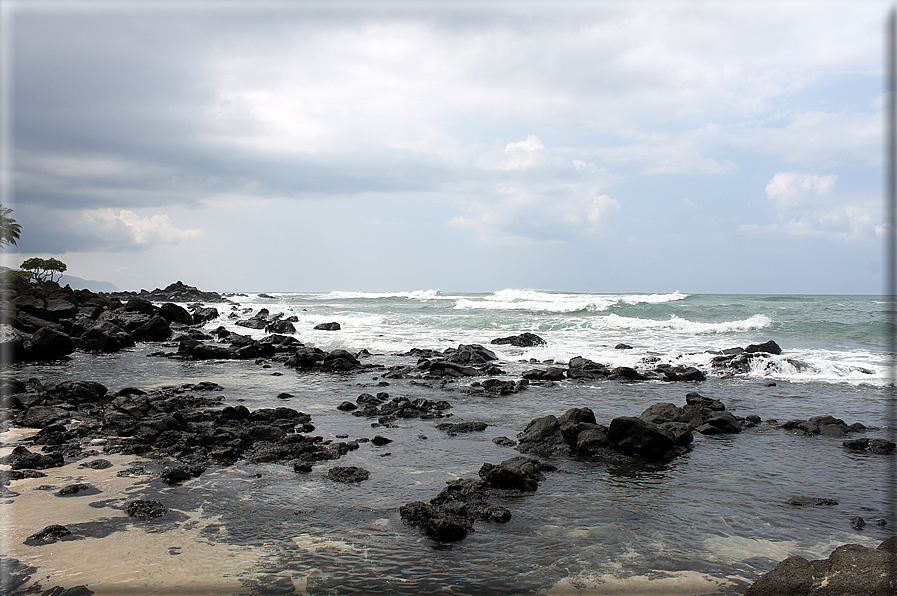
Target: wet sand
170,555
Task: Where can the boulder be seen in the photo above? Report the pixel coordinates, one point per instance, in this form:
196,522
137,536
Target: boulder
769,347
469,354
173,313
46,344
517,473
139,305
156,329
106,337
524,340
882,446
328,327
203,315
850,569
339,360
634,436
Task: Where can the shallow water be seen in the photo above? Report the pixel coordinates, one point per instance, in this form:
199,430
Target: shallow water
710,521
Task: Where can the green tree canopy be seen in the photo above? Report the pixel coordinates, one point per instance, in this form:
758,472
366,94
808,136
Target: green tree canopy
9,229
44,269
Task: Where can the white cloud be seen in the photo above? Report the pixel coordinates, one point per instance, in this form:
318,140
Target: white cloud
156,229
807,205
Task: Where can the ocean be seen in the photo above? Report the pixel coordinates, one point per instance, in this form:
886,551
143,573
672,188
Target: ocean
709,521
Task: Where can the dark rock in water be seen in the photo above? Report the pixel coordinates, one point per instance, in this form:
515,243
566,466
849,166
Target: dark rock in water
449,516
142,509
306,357
626,372
583,368
517,473
175,314
175,474
504,441
500,387
472,354
882,446
347,406
205,314
139,305
622,347
339,360
280,326
48,535
524,340
106,337
455,428
551,374
156,329
857,522
634,436
328,327
398,407
770,347
720,423
850,570
380,440
46,344
811,502
542,436
348,474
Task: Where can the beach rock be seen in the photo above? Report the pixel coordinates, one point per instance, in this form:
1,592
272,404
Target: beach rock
438,524
542,436
348,474
306,357
48,535
720,423
501,387
380,440
74,489
144,509
328,327
627,373
257,321
524,340
21,458
850,569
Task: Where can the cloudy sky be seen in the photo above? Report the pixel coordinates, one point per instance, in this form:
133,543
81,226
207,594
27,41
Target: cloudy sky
704,147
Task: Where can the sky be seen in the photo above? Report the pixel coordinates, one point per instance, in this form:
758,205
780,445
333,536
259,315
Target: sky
657,146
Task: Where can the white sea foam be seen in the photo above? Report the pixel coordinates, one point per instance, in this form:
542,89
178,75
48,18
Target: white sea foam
616,322
535,300
416,294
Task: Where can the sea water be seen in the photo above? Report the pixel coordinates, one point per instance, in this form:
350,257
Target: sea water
710,521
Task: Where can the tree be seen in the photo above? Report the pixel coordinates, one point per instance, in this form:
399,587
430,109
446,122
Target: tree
9,229
43,270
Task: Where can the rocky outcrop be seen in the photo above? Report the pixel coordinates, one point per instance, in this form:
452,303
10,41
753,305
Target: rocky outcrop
881,446
176,292
449,517
328,326
850,569
46,322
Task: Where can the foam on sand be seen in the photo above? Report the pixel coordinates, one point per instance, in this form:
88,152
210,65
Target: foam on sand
675,583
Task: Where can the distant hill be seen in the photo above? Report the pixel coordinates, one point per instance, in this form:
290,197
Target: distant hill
87,284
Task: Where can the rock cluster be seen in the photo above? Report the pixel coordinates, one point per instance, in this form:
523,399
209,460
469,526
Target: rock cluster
827,426
850,569
176,292
467,360
662,431
449,516
172,422
388,409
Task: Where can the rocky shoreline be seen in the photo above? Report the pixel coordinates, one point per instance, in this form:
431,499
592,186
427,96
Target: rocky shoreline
188,428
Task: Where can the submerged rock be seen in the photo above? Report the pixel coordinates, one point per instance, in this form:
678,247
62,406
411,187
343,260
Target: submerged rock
348,474
524,340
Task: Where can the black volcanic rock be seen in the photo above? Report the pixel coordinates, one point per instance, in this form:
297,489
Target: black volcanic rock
524,340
